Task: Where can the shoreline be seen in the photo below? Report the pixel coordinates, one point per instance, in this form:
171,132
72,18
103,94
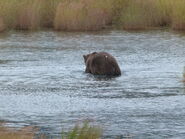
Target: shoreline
91,15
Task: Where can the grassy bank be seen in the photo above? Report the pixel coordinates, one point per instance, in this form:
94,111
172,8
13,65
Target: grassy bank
84,131
83,15
87,15
24,133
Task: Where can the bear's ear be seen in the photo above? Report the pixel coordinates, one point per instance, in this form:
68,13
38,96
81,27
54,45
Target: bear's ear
94,53
85,57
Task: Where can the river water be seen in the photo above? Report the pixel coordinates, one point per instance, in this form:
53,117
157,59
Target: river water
42,82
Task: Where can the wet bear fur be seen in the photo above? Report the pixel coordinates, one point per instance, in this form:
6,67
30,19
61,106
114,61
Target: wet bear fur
101,63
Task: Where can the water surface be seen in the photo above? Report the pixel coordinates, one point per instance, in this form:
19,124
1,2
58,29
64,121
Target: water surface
42,82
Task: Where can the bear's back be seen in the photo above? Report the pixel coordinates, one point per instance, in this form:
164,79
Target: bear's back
103,63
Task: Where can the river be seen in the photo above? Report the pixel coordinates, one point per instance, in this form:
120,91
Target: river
42,82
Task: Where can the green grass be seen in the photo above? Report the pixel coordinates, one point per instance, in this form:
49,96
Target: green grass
85,131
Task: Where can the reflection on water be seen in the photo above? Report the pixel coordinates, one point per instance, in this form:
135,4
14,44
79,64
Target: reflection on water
43,82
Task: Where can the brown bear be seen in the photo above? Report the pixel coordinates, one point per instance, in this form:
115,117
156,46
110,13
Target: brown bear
101,63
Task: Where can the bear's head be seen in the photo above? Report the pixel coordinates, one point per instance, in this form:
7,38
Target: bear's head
87,56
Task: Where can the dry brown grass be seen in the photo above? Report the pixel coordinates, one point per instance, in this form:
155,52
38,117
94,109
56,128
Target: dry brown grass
24,133
178,15
48,12
2,25
142,14
36,14
83,15
86,15
30,15
84,131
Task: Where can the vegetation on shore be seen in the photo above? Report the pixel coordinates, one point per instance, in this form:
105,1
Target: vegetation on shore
85,131
24,133
87,15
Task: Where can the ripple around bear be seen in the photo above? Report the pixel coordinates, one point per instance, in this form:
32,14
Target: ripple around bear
101,63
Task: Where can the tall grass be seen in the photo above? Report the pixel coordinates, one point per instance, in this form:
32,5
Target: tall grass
178,16
28,14
2,25
29,17
83,15
8,12
84,132
142,14
86,15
